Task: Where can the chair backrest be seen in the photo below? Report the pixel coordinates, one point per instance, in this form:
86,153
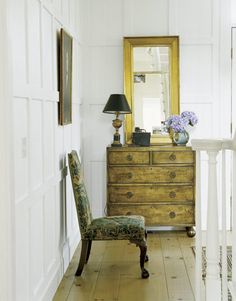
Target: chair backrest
81,199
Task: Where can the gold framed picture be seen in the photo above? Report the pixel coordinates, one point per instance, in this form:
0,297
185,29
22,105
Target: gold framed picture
65,78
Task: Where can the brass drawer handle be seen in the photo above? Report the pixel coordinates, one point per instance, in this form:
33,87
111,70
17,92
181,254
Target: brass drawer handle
172,194
172,157
129,194
172,175
129,175
129,157
172,214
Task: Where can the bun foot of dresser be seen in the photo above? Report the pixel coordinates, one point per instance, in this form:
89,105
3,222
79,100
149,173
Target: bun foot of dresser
190,231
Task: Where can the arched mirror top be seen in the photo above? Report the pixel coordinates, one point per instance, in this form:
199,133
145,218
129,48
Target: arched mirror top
151,84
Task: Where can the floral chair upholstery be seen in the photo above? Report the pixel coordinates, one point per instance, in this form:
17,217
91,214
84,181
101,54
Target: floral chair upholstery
130,227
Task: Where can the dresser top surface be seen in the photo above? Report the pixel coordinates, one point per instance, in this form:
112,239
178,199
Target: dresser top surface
166,147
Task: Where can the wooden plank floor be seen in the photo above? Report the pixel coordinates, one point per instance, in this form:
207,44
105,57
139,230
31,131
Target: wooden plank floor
113,273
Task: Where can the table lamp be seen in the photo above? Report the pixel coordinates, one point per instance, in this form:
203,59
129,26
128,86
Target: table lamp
117,104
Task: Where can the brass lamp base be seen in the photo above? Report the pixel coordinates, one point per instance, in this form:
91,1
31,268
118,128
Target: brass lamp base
116,141
117,123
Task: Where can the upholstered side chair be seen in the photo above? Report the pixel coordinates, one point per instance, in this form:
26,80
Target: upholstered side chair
130,227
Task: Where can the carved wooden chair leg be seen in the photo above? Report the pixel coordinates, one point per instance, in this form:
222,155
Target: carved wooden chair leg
143,250
146,257
83,256
88,251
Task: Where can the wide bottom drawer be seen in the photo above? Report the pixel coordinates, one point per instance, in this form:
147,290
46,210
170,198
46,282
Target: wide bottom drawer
155,214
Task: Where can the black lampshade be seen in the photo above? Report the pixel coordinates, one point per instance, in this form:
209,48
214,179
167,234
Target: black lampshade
117,103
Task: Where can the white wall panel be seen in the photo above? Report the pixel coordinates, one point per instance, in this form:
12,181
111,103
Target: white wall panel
75,78
58,6
34,42
98,201
22,252
106,22
36,147
47,41
83,21
72,14
105,72
76,126
59,217
21,141
49,229
19,49
55,45
194,19
65,11
204,113
49,139
59,148
36,247
100,127
149,19
196,70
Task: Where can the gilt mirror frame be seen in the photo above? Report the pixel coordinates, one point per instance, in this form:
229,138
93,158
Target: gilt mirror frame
172,42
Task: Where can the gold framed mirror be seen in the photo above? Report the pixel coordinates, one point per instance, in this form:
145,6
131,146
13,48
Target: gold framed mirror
151,84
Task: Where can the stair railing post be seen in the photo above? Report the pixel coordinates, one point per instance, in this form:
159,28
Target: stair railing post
213,285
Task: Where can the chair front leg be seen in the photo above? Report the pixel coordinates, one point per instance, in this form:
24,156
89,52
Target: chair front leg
143,257
88,251
83,257
143,252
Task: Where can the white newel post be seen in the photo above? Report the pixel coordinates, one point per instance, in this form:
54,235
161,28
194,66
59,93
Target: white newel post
213,285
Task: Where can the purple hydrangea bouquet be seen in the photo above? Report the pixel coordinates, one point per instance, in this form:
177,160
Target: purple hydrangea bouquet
177,126
179,123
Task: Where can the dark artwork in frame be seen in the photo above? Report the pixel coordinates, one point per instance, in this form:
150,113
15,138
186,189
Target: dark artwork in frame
65,78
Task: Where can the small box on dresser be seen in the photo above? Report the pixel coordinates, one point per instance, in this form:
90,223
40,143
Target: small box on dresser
157,182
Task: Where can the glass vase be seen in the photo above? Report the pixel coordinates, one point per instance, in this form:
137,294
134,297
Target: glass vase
181,138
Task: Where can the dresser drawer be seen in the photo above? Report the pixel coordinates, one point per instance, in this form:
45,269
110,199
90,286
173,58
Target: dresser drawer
159,157
164,215
149,193
147,174
119,157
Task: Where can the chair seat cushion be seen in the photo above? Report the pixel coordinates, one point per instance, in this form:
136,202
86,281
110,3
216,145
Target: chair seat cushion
130,227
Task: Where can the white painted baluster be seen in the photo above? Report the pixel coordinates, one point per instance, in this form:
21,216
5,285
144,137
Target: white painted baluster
232,284
198,289
224,233
213,285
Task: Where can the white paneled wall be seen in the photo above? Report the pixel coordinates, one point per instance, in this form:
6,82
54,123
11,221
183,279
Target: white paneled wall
46,222
204,31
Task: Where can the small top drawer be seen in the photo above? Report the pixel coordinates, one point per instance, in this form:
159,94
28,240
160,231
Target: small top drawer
159,157
129,158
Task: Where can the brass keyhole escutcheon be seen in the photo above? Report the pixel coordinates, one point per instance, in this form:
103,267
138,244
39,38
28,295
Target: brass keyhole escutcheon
172,214
172,175
129,194
129,175
129,157
172,194
172,157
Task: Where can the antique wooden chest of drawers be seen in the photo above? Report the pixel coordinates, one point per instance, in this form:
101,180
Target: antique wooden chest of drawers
157,182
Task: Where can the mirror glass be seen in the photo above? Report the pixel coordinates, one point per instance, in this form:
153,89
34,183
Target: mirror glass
151,87
151,79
